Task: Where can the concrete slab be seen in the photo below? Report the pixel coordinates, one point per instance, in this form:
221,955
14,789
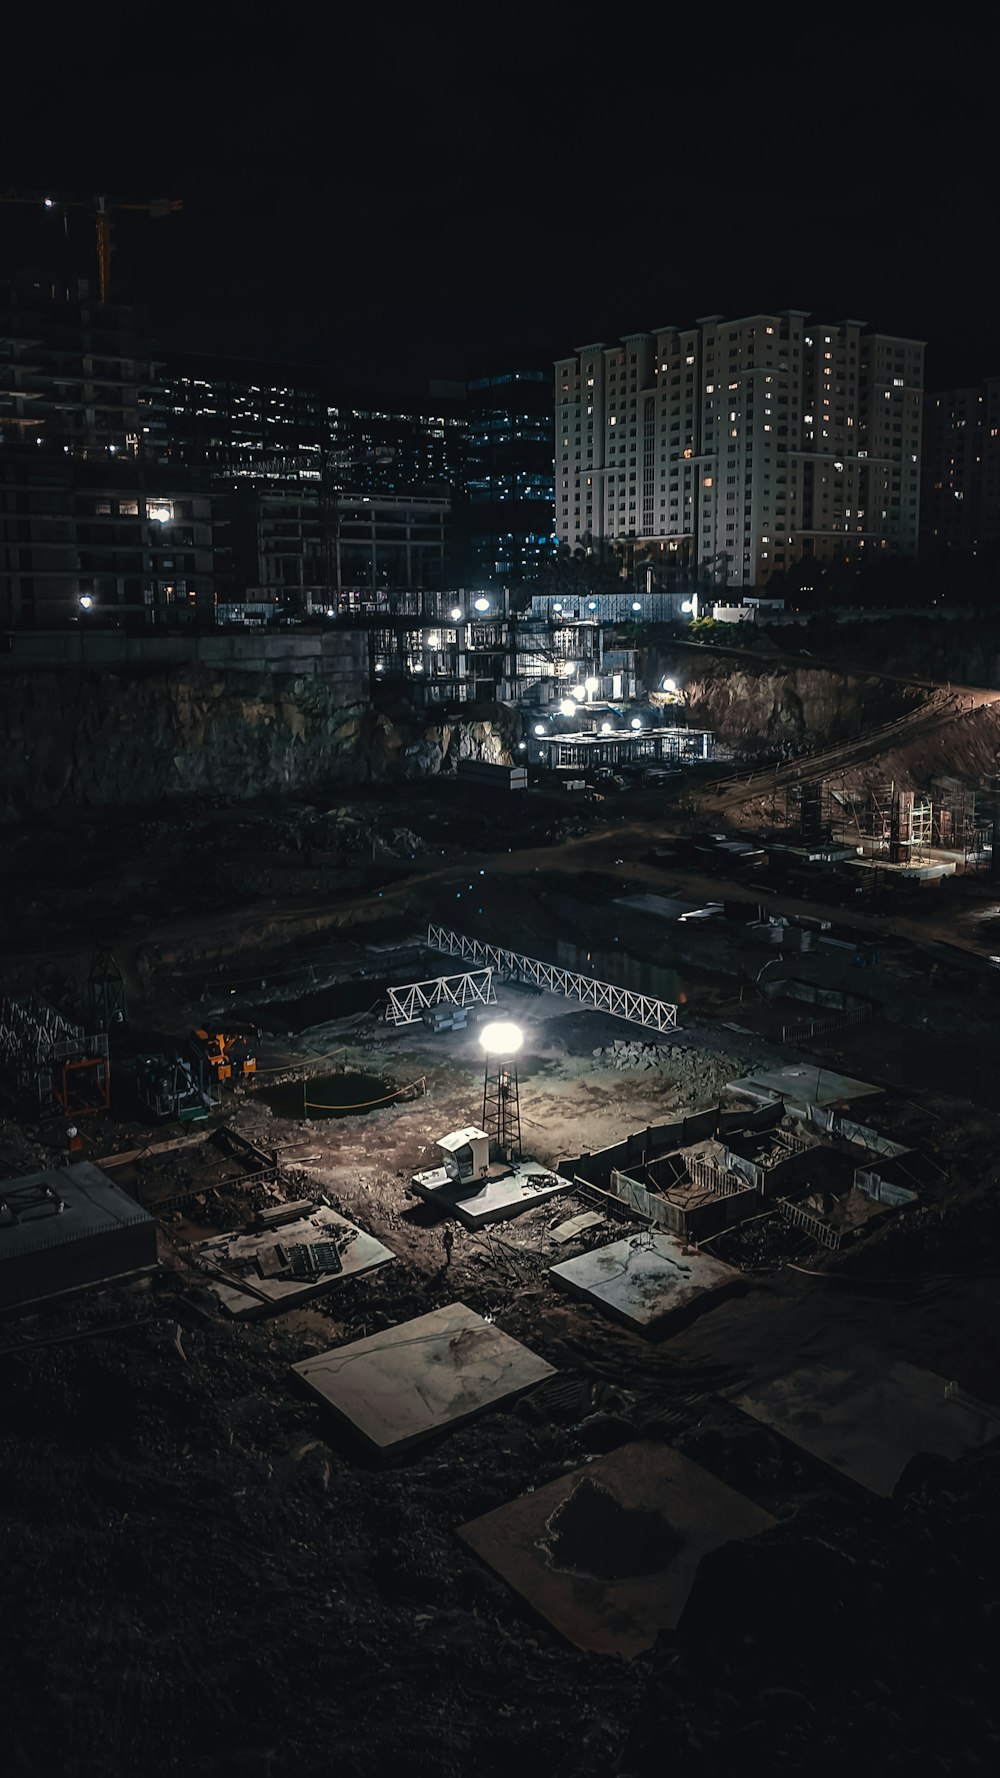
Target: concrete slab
426,1376
257,1259
66,1228
866,1415
608,1554
576,1225
526,1184
648,1281
803,1084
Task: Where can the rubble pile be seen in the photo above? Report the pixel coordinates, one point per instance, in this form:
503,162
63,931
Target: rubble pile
702,1070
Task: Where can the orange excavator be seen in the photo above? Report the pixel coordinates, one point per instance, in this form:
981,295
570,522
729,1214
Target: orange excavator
228,1055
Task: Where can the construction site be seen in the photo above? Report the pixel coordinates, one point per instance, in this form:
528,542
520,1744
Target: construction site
498,1253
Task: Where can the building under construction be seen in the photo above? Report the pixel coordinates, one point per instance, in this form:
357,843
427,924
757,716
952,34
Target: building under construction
938,831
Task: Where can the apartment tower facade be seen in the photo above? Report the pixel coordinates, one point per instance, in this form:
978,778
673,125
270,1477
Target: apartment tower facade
733,448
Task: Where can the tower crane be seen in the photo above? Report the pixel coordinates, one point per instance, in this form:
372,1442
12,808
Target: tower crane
101,208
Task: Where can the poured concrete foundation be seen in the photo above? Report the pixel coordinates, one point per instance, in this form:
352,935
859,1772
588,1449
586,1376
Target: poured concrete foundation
426,1376
526,1184
866,1415
608,1554
253,1283
651,1282
802,1083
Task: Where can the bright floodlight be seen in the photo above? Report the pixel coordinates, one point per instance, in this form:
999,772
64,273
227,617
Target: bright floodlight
456,612
591,685
501,1038
540,728
605,728
86,601
670,685
482,604
578,692
567,707
636,605
558,605
636,722
687,605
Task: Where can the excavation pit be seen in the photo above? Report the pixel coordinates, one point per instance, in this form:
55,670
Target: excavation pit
332,1095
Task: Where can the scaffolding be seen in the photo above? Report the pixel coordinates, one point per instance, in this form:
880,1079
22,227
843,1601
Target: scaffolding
49,1064
897,826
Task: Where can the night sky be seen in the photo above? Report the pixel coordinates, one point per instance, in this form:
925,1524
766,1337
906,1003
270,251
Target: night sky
401,201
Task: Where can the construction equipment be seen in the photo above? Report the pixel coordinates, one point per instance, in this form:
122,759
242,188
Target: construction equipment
101,208
228,1054
167,1085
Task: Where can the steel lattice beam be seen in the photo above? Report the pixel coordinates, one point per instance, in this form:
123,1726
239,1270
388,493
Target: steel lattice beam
638,1009
406,1003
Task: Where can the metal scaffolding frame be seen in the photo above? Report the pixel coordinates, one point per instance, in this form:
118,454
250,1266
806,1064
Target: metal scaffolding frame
406,1003
622,1003
48,1062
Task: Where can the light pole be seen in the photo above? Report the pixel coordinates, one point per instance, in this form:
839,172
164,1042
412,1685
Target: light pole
501,1041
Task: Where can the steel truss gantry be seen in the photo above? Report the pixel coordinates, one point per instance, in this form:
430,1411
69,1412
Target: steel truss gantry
639,1009
407,1003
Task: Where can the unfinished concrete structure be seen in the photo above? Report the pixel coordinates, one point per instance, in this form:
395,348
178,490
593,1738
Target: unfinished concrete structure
67,1228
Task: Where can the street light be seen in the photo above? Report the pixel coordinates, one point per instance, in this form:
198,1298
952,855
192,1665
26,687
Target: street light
86,601
591,685
455,613
567,707
669,685
482,604
636,722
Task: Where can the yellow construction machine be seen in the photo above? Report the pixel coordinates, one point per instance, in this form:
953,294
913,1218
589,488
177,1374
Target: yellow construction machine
227,1054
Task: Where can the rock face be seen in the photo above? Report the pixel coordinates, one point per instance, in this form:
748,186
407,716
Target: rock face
86,737
749,704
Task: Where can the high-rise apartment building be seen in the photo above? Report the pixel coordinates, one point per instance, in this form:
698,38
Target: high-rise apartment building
960,496
733,448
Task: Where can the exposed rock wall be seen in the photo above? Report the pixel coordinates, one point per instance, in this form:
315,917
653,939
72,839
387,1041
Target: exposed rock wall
750,704
86,737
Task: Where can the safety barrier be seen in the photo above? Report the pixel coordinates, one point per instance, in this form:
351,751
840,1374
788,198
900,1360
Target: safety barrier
803,1029
811,1225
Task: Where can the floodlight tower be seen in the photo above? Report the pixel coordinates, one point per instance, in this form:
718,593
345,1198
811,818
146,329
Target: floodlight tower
501,1041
